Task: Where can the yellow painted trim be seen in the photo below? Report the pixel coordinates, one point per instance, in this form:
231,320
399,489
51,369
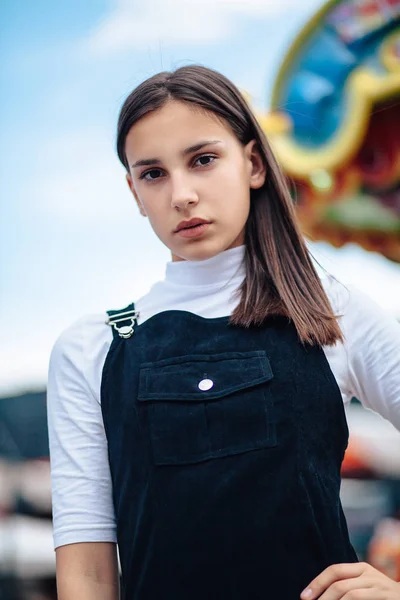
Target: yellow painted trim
295,46
392,63
364,89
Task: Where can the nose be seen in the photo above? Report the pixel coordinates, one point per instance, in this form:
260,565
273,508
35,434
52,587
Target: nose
182,192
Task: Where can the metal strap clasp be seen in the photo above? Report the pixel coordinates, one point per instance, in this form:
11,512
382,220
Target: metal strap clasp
124,331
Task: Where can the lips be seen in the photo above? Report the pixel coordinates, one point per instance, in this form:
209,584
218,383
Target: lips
190,223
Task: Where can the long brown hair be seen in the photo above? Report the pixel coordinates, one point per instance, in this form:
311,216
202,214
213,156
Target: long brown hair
280,276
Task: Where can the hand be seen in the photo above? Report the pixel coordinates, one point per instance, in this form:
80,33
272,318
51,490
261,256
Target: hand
354,581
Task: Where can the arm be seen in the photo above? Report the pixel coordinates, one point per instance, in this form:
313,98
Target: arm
88,571
83,514
373,349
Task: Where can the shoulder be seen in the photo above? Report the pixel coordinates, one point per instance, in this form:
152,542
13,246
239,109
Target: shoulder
80,351
341,296
87,335
358,314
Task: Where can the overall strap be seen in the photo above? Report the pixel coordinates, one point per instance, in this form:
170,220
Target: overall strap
123,321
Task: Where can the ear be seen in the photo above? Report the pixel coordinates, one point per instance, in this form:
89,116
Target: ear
134,192
257,168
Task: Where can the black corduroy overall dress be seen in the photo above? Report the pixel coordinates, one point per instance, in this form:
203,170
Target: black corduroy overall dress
225,446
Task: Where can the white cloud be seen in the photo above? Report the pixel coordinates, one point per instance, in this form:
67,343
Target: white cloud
80,179
131,25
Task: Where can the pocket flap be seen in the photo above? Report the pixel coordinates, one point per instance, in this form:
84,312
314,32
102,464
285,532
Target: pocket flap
202,377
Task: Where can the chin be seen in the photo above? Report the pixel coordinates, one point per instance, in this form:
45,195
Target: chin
199,251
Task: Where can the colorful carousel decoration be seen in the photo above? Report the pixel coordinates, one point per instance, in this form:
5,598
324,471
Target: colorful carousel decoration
335,124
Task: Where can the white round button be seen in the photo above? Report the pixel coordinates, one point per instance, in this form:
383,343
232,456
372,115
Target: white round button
205,384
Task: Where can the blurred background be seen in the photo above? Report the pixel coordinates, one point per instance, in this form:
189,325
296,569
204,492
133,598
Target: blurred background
324,81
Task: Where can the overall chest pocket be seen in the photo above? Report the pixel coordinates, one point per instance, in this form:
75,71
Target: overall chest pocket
208,406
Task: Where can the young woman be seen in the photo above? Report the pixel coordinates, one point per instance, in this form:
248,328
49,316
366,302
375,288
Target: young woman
203,428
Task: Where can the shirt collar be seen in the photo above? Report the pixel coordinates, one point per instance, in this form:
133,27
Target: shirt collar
219,269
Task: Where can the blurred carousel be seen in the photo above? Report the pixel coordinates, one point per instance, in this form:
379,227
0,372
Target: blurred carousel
335,124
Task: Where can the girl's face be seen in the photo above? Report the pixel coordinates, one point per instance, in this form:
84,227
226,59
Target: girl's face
185,164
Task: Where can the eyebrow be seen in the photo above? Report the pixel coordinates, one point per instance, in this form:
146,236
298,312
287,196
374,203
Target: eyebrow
145,162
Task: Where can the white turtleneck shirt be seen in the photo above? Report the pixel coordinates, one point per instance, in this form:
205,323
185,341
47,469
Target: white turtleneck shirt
366,366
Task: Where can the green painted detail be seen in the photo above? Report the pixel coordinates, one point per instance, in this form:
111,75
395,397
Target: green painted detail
362,212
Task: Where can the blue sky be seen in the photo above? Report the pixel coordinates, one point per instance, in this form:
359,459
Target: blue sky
71,239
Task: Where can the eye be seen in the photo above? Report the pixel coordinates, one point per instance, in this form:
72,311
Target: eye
151,175
205,160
